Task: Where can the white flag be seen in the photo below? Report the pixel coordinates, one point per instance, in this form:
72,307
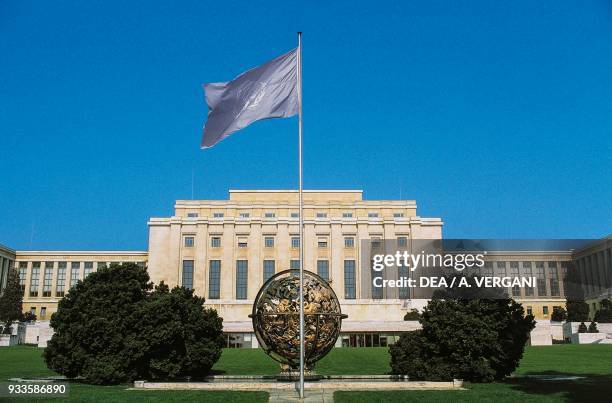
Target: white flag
264,92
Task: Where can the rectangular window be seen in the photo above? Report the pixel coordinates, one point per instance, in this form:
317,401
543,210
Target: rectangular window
215,242
529,310
192,215
214,279
47,279
218,215
294,264
528,273
402,241
350,286
269,242
377,292
322,243
34,279
398,215
268,269
270,215
23,270
43,312
545,310
321,215
295,215
514,273
242,270
295,241
323,269
189,240
75,273
242,242
188,274
245,215
376,243
554,279
349,242
372,215
541,280
403,272
60,283
101,265
88,268
33,310
347,215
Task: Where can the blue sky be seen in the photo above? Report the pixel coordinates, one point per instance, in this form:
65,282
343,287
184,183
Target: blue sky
495,116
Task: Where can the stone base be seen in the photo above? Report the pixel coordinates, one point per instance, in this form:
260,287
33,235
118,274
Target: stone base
288,376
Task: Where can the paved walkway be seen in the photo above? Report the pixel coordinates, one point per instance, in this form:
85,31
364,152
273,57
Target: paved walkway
312,396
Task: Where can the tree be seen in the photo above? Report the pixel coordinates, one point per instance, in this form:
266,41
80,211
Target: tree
28,317
11,301
577,311
604,314
593,328
112,327
413,314
582,328
559,314
476,340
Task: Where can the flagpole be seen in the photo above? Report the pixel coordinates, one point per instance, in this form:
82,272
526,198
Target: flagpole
301,216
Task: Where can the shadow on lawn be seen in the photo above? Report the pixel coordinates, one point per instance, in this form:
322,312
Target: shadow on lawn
587,387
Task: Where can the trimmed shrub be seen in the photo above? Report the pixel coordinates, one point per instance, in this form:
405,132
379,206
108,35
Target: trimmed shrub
112,328
604,314
413,314
475,340
582,328
593,328
577,311
558,314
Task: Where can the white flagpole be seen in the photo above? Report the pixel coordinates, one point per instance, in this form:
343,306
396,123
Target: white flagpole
301,202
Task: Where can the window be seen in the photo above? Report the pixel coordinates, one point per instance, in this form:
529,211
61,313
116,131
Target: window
33,310
23,270
295,241
350,287
189,241
349,242
402,241
545,310
75,273
242,268
188,274
60,283
242,242
47,279
541,280
269,242
554,279
514,273
404,272
218,215
323,269
215,242
321,215
527,273
294,264
347,215
192,215
214,279
295,215
88,268
268,269
270,215
529,310
34,279
376,243
43,312
322,243
398,215
377,292
245,215
101,265
372,215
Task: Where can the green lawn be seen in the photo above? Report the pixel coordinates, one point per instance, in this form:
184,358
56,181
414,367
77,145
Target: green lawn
591,361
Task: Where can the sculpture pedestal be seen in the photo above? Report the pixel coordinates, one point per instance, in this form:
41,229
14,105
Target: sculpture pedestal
294,375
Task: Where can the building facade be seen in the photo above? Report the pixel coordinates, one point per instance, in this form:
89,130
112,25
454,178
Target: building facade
226,249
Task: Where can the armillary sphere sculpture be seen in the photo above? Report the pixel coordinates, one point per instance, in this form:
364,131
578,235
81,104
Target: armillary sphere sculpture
276,320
